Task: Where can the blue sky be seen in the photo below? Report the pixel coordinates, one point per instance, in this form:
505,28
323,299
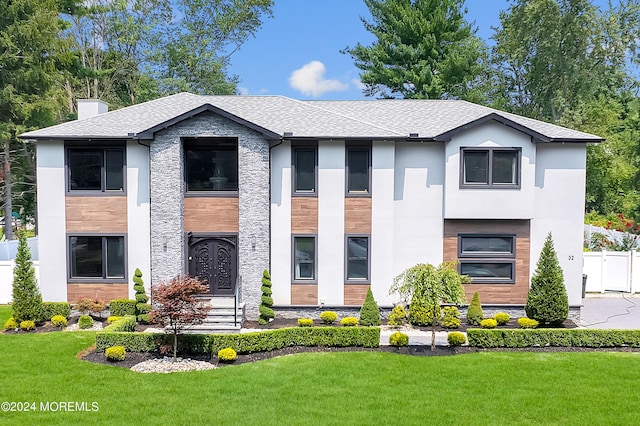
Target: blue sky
297,52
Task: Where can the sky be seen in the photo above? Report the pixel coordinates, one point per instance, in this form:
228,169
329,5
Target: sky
297,52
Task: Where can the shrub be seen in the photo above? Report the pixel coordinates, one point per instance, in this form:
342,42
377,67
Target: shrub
143,310
527,323
144,319
85,321
113,319
349,321
227,355
305,322
399,338
456,338
122,307
85,306
398,316
523,338
59,321
266,311
115,353
127,323
10,324
27,300
547,300
474,312
502,318
52,309
27,325
488,323
369,312
451,317
328,317
422,314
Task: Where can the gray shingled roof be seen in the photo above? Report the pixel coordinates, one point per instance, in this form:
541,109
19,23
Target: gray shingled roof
276,115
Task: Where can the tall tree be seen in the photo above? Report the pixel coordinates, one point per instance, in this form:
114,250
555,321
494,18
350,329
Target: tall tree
423,49
27,300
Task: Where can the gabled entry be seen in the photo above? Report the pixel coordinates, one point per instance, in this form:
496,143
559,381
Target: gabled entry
214,260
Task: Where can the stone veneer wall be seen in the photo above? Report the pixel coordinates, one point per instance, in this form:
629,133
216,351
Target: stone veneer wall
167,202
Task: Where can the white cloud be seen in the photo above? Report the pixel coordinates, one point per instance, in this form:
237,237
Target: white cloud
242,91
311,82
359,84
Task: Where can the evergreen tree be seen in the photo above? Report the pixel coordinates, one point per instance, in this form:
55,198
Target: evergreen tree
369,312
266,312
142,307
474,312
547,300
27,301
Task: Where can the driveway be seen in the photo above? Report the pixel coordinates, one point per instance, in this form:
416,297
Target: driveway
613,310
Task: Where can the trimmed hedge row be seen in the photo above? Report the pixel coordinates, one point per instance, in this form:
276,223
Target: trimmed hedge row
368,337
127,323
122,307
523,338
51,309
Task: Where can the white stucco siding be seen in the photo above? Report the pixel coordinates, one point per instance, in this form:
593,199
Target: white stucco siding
281,223
138,214
331,187
486,203
51,221
559,209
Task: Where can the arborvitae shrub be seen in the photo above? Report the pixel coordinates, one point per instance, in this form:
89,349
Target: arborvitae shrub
502,318
227,355
527,323
421,314
305,322
456,338
547,300
451,317
266,312
115,353
349,321
27,300
10,324
85,321
369,312
59,321
27,325
474,312
398,316
488,323
328,317
398,338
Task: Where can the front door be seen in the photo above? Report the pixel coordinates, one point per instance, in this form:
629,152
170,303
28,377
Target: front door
214,260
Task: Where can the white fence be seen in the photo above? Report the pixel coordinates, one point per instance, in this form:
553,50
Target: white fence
612,271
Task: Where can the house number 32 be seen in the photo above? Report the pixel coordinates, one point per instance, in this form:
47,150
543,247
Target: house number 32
570,257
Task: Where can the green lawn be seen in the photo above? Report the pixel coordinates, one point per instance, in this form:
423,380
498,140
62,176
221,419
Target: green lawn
5,314
326,388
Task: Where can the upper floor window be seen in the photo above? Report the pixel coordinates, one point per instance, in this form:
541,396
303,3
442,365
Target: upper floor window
490,167
211,164
96,169
358,169
305,160
97,257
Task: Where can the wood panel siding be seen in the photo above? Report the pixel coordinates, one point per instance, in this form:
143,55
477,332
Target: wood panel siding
515,293
96,214
211,214
357,215
304,215
103,292
304,294
354,294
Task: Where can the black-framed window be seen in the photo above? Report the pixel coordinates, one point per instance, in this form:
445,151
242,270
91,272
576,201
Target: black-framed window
96,169
97,257
490,167
487,258
358,169
304,259
304,169
357,265
211,165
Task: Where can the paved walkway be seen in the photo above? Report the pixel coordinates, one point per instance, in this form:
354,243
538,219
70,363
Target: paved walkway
610,310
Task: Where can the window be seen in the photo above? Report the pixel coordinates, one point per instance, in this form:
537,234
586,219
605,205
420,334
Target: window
304,170
97,257
487,258
357,262
211,164
490,167
304,259
96,169
358,169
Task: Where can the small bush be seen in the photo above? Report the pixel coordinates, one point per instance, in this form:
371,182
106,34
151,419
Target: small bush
423,315
59,321
143,308
456,338
115,353
113,319
227,354
488,323
328,317
127,323
398,316
349,321
10,324
27,325
527,323
52,309
474,312
369,312
399,338
144,319
451,317
502,318
85,321
122,307
83,306
267,314
97,306
305,322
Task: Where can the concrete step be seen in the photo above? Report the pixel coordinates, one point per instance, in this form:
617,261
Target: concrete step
207,328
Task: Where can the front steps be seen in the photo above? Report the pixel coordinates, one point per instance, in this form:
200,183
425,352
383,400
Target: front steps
220,318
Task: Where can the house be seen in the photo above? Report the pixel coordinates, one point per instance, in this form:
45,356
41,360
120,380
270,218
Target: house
331,196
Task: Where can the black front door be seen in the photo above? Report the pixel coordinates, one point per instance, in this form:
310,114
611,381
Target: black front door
214,260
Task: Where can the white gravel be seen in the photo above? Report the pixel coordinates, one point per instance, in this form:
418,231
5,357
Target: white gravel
74,327
166,365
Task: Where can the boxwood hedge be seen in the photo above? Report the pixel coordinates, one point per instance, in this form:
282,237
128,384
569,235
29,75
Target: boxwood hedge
523,338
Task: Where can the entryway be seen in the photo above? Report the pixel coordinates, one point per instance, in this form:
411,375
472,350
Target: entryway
214,260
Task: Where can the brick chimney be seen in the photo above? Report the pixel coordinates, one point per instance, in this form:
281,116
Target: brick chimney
88,108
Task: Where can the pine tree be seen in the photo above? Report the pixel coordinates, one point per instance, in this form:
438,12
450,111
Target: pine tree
547,300
369,312
142,307
474,312
27,300
266,312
